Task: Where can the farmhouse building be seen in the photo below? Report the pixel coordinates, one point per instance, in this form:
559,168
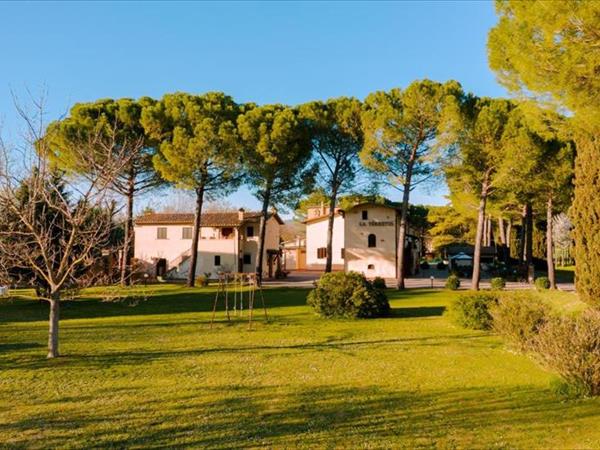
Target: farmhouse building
365,239
228,242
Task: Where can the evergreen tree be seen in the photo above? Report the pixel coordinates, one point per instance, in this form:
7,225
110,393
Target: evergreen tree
337,138
198,150
549,49
405,140
277,153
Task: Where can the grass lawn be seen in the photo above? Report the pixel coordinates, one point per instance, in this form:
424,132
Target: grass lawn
155,375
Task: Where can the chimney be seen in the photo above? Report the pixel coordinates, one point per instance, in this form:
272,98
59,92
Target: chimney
241,214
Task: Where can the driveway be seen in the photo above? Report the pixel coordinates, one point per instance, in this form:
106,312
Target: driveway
306,279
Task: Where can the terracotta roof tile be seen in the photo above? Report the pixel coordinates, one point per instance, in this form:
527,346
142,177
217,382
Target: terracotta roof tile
211,219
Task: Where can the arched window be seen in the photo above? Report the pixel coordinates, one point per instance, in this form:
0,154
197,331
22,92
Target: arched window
372,240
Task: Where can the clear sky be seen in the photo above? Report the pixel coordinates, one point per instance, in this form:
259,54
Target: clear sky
264,52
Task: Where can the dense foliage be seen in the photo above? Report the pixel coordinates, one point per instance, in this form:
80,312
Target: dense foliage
350,295
518,316
571,346
549,51
452,282
542,283
472,310
497,283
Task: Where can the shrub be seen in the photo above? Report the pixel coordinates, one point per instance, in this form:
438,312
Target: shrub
379,283
202,280
452,282
440,265
498,283
424,265
519,316
571,347
542,283
471,310
341,294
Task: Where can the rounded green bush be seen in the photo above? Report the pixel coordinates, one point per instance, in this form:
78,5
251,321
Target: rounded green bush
498,283
452,282
518,316
542,283
440,265
472,310
350,295
379,283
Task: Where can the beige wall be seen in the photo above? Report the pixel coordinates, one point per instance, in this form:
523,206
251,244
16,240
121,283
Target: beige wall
316,237
359,256
148,248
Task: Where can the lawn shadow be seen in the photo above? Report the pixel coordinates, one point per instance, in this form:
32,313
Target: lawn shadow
132,358
344,416
418,311
174,301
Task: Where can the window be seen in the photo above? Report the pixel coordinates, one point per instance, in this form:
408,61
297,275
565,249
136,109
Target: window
365,215
161,233
247,258
227,233
371,267
186,233
249,231
322,252
372,240
343,253
217,260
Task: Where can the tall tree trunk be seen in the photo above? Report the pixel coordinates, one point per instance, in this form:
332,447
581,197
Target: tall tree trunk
549,244
479,235
330,221
191,280
403,229
523,235
508,232
501,231
529,234
490,231
262,233
128,239
529,241
53,325
485,231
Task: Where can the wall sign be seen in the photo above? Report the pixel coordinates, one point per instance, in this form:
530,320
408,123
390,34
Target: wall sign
376,223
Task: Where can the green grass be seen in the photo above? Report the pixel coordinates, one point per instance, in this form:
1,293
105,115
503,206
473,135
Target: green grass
155,375
565,274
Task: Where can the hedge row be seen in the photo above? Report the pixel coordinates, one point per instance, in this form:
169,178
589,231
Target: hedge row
569,345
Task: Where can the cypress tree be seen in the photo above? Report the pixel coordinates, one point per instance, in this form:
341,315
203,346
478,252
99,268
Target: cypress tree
586,217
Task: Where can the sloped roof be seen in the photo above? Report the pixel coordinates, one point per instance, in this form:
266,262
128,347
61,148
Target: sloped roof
210,219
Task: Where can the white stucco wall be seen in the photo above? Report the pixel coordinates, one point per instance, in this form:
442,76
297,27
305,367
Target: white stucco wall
146,245
148,248
358,254
316,237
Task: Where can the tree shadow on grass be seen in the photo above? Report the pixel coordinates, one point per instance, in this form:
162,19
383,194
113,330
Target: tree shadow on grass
174,301
322,416
16,346
132,358
418,311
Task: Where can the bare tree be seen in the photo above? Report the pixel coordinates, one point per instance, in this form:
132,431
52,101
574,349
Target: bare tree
50,233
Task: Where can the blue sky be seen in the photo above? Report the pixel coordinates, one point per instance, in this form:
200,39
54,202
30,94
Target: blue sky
264,52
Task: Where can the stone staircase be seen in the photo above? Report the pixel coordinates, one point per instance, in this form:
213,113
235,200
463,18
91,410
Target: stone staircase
175,265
